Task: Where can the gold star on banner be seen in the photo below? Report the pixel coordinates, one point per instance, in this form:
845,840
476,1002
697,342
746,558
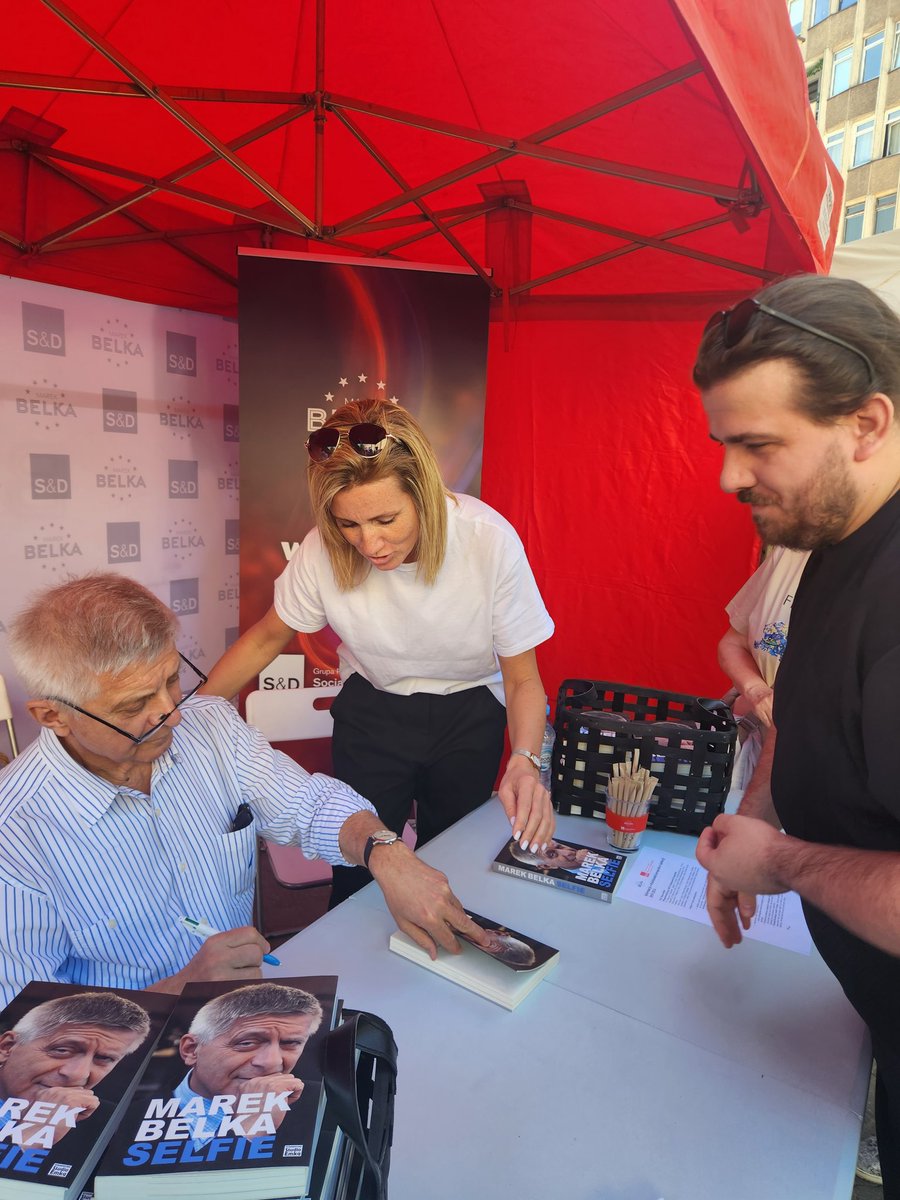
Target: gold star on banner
380,385
362,378
329,396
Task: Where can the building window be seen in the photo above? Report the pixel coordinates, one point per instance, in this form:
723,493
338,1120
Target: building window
840,70
863,140
821,10
873,49
834,144
895,49
885,206
892,132
845,4
795,12
854,215
813,84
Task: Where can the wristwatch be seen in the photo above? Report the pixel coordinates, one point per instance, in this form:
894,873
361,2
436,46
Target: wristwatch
381,837
532,758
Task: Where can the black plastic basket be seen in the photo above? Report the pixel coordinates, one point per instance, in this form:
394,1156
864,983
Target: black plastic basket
687,742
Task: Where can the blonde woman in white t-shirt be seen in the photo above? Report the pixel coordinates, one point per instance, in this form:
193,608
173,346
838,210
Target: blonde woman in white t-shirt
438,616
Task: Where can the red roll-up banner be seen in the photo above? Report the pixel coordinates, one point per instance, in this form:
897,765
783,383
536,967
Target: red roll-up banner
314,334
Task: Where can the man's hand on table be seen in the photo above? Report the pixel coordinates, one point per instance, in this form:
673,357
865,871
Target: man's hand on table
420,900
740,854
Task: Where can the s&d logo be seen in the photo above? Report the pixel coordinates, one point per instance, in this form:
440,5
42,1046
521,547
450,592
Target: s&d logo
181,353
183,483
50,477
119,411
123,541
184,597
43,329
231,423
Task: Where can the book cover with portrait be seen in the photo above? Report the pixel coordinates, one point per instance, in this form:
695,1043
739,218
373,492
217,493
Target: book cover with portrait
570,866
233,1095
505,968
70,1057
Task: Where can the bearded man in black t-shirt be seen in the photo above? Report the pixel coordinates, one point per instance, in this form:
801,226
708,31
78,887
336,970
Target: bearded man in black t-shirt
801,387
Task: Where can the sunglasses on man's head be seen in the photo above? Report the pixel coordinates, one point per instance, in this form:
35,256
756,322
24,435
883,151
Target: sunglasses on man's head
736,321
367,440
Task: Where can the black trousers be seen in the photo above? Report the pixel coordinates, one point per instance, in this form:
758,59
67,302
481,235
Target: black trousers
871,981
887,1116
441,751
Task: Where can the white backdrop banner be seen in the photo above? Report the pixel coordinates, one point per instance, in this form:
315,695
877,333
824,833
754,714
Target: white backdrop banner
118,451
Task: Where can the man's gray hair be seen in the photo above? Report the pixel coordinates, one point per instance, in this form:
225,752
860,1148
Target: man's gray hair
251,1001
99,624
85,1008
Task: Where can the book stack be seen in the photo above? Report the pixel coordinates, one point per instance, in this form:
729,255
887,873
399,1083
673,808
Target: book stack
70,1058
505,969
231,1102
566,865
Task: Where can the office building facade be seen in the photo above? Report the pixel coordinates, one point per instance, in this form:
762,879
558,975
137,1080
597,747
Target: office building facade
852,54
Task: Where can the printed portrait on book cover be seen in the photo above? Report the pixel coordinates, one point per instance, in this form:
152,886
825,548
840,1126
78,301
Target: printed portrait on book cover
555,856
516,950
246,1042
54,1058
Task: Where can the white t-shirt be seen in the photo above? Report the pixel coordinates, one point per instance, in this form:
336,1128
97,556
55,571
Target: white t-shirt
406,636
762,608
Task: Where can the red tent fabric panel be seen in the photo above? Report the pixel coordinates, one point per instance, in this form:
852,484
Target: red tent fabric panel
615,171
596,449
464,74
764,83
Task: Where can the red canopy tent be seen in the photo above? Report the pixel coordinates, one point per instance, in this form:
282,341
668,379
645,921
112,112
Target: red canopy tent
613,172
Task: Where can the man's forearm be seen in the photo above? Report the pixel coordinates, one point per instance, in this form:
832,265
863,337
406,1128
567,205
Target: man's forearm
859,889
757,798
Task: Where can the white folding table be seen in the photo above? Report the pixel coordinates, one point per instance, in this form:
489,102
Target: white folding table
652,1064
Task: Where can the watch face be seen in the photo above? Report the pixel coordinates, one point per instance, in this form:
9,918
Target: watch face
381,837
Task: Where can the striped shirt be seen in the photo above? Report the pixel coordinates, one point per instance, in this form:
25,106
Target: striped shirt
94,877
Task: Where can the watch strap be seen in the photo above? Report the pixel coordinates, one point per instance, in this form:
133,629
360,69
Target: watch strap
532,758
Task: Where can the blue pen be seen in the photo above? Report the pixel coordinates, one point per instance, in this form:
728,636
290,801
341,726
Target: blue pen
200,929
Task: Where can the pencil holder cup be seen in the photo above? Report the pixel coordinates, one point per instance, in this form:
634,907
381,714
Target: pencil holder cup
625,823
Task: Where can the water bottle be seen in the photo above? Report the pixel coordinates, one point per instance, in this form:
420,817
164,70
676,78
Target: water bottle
547,753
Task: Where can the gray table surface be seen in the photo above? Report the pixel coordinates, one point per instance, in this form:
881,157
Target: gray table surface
652,1064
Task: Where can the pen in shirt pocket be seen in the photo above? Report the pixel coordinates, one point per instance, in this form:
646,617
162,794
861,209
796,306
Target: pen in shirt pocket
200,929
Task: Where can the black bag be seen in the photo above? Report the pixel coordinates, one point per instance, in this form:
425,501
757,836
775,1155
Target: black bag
360,1085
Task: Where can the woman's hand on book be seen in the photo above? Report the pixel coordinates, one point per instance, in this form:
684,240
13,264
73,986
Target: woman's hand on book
526,804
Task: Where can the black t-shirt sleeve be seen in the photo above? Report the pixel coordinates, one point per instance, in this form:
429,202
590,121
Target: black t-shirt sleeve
881,729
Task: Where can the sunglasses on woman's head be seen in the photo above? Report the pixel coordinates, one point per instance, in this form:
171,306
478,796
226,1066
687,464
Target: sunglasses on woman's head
367,440
736,321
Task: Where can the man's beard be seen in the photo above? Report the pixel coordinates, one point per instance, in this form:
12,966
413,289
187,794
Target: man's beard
816,515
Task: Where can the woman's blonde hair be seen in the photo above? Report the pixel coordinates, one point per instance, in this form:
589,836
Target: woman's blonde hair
410,460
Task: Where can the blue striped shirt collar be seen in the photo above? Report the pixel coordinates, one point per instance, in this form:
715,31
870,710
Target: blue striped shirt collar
94,794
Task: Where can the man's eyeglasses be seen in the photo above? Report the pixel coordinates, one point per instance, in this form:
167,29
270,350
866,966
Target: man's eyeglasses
367,440
736,321
190,680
